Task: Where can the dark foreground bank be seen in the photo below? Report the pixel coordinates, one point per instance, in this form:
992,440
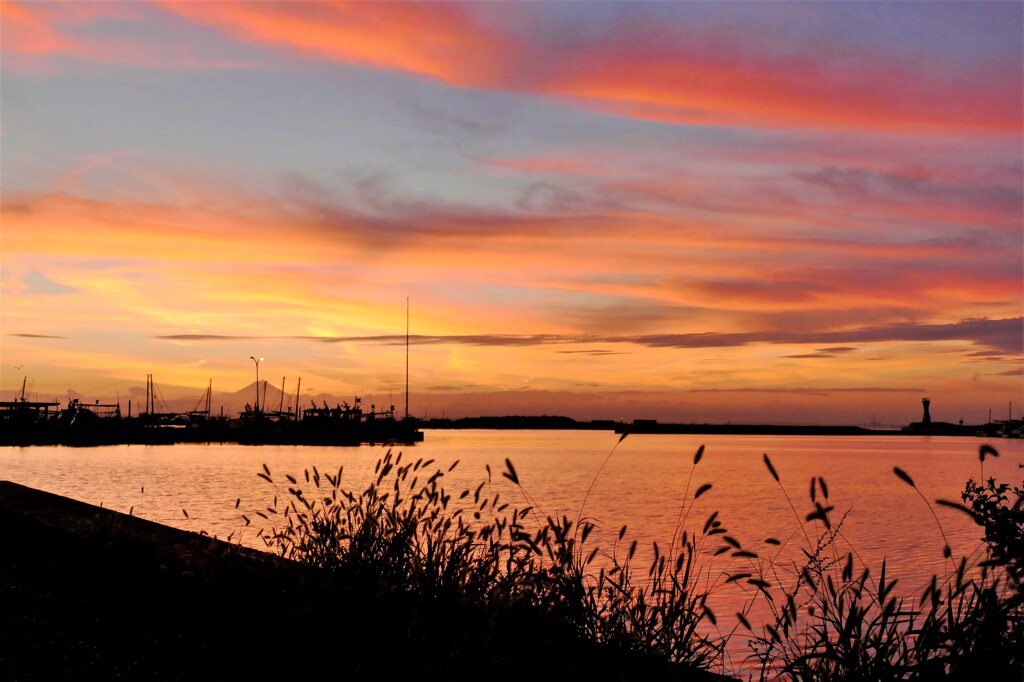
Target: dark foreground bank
88,593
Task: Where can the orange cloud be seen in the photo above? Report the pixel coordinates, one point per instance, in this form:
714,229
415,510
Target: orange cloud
720,85
439,40
29,30
318,272
649,71
35,31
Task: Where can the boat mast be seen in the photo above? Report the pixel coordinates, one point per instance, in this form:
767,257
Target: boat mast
406,357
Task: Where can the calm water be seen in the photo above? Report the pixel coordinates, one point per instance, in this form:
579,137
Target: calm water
640,484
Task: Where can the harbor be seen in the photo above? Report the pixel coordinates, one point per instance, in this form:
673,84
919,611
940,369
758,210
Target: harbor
24,422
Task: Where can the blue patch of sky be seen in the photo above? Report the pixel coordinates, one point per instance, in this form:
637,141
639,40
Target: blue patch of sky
949,32
38,283
328,123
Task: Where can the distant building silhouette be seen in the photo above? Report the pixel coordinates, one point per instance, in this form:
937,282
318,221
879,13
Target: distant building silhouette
927,427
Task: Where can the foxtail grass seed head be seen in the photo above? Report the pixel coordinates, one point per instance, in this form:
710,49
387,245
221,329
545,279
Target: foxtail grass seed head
904,476
986,451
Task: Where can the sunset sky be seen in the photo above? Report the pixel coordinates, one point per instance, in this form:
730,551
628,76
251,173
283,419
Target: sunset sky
790,212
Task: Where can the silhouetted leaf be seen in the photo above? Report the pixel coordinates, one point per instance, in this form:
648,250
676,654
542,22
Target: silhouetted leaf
701,490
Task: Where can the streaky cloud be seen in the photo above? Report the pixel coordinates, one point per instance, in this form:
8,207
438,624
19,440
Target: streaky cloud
501,340
1006,335
813,391
38,336
601,351
204,337
824,353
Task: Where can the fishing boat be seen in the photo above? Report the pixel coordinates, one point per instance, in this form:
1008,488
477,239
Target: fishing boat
23,421
349,424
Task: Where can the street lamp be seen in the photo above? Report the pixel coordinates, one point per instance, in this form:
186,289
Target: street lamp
257,361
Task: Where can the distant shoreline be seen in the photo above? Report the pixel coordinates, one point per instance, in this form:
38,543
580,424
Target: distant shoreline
553,423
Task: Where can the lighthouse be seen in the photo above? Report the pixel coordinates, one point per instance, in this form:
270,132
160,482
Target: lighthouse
927,418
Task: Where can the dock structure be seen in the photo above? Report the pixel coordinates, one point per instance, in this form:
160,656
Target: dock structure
24,423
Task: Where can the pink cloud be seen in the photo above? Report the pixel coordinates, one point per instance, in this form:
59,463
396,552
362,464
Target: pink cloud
645,70
649,71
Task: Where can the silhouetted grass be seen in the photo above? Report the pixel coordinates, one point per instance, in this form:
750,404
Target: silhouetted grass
507,571
837,620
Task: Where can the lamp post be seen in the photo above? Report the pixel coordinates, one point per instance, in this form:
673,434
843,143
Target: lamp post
257,361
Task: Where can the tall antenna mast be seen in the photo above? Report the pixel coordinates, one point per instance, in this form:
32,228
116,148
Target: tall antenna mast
406,357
